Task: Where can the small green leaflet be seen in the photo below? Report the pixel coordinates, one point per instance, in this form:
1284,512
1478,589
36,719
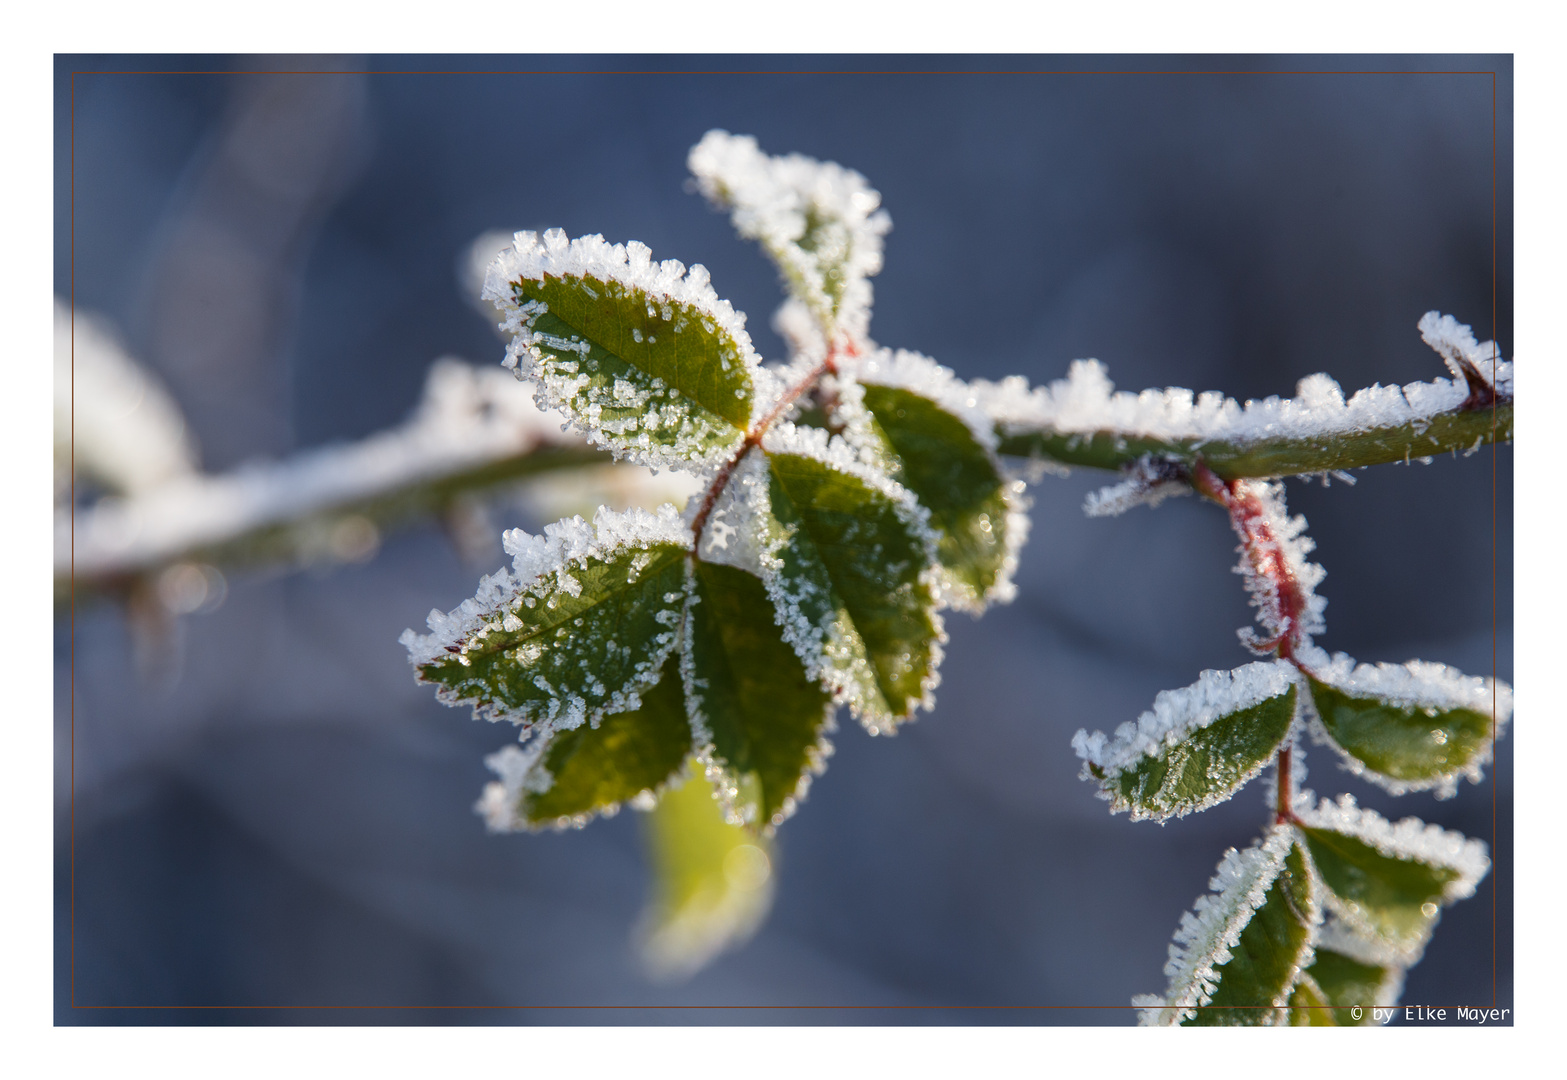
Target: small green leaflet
589,770
712,881
1240,947
817,221
1412,726
1255,982
1389,882
581,628
1309,1007
1337,985
645,360
850,587
749,692
1197,746
1404,742
957,479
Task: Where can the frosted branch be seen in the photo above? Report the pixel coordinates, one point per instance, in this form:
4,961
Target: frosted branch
1084,420
474,429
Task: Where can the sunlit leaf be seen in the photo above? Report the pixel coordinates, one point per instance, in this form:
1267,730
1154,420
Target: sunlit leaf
1389,882
1255,982
576,630
590,769
641,356
749,692
851,588
1410,726
1197,746
712,881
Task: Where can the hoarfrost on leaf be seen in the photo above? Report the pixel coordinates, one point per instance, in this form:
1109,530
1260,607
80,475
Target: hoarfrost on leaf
641,357
913,418
1465,357
1388,882
1197,746
851,576
763,720
1271,872
1407,727
577,628
572,775
819,222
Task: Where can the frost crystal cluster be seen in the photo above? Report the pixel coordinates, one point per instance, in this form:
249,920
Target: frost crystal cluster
849,494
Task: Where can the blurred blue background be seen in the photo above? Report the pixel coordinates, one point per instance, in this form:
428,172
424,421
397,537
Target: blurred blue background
290,823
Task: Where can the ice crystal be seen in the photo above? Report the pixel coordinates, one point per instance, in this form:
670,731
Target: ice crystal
1149,481
921,375
1457,346
520,772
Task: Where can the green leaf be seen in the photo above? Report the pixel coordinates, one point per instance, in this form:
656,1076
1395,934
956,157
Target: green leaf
645,361
1346,984
1256,981
1308,1006
765,715
591,769
818,221
1405,742
851,589
583,625
712,881
955,477
1411,726
1197,746
1396,899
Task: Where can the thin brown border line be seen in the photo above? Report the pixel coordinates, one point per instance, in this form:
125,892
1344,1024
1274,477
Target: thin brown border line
1399,1007
72,590
786,71
1495,854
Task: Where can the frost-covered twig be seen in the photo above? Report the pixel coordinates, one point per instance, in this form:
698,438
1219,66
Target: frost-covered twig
1083,420
475,429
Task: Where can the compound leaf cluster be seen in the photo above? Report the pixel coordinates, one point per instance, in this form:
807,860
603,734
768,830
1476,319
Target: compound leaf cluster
851,495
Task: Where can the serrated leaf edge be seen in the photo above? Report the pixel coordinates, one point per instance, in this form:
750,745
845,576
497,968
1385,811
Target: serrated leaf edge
923,377
725,782
1214,925
1177,715
1419,683
814,443
1410,839
564,543
630,265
